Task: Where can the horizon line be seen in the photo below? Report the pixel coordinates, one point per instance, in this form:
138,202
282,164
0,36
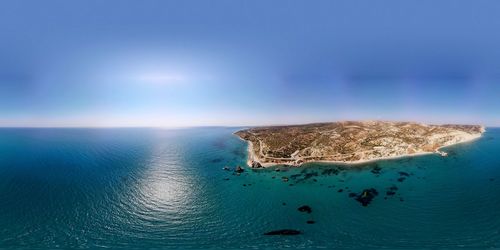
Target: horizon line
225,126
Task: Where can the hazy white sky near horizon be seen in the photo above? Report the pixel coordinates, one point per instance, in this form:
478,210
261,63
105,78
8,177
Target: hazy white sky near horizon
236,63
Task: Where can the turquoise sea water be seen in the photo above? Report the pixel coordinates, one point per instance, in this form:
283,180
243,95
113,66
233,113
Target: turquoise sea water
153,188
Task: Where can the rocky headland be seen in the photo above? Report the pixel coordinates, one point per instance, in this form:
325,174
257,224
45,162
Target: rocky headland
350,142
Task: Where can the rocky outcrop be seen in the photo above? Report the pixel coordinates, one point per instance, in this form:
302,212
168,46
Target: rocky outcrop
256,164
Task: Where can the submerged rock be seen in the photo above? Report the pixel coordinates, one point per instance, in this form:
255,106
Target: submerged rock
330,171
239,169
340,190
284,232
284,179
366,196
401,179
376,170
305,208
310,175
391,190
310,222
404,174
226,168
216,160
304,176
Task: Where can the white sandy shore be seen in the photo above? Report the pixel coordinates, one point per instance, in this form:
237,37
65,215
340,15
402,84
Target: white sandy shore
252,157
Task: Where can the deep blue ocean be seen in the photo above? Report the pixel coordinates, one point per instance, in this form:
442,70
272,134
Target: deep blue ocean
154,188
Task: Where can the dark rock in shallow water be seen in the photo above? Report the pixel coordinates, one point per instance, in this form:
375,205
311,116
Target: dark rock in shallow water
310,175
351,195
310,222
305,176
305,208
391,190
404,174
367,196
239,169
284,203
256,164
284,232
376,170
330,171
216,160
340,190
226,179
226,168
401,179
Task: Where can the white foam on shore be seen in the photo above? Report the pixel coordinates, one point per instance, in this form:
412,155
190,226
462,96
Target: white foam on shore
463,138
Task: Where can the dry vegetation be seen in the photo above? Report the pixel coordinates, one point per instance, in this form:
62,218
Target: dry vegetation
350,141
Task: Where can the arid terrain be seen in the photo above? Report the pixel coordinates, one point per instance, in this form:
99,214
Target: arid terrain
350,141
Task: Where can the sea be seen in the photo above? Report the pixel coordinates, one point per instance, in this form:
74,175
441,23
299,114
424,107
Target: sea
148,188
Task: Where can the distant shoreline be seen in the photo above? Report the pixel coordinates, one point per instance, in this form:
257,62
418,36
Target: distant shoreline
252,158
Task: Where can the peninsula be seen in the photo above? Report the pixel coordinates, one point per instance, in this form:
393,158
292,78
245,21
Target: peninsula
350,141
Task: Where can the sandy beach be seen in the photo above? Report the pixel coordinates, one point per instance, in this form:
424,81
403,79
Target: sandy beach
253,158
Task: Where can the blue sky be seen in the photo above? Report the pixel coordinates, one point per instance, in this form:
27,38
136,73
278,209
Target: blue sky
191,63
